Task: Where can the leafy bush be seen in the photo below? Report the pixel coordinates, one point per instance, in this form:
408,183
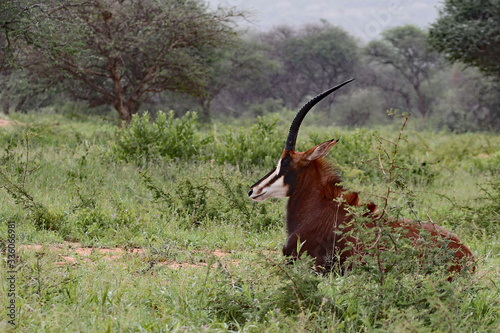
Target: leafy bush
486,215
166,137
258,145
278,294
276,288
270,105
95,223
407,303
222,197
366,108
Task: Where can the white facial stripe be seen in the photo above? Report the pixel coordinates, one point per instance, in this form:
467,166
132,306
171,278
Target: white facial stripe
271,187
278,168
278,189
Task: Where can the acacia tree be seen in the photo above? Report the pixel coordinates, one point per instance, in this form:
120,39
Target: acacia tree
469,31
405,50
15,18
8,24
239,73
323,54
119,52
312,59
15,21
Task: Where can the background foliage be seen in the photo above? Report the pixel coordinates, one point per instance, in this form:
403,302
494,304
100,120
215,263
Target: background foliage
116,55
466,31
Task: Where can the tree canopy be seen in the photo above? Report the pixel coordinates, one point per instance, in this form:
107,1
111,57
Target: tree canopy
180,55
15,21
469,31
119,52
312,59
405,49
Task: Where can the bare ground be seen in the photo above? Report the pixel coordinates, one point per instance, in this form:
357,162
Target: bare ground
70,253
73,253
5,123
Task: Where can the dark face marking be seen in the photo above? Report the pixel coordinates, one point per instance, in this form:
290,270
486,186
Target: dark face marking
260,180
273,184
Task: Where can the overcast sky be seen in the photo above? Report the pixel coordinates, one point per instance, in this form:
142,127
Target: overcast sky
364,19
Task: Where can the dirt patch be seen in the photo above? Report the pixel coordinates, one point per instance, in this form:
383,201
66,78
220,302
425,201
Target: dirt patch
72,253
5,123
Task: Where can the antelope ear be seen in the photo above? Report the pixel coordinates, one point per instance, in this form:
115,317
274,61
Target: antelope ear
320,150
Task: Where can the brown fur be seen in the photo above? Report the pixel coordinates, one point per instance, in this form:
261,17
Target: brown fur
317,218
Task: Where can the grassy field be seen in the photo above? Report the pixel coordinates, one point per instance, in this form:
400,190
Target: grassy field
149,228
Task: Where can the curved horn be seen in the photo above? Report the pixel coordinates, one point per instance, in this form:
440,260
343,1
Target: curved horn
294,128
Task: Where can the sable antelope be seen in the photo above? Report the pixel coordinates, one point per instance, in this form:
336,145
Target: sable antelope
318,220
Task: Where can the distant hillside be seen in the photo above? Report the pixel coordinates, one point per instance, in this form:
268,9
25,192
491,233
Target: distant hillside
363,19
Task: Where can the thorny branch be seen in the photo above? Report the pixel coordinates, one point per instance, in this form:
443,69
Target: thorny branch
18,191
388,173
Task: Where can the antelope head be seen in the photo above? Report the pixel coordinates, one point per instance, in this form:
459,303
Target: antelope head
281,182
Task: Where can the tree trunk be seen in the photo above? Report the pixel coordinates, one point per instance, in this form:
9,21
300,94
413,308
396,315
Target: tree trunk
6,106
421,102
125,116
126,110
407,100
206,105
21,103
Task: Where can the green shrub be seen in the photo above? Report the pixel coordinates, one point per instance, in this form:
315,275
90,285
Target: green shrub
486,214
270,105
276,288
259,145
167,137
221,197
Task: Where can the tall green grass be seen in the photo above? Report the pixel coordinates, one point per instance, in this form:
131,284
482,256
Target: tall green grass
177,189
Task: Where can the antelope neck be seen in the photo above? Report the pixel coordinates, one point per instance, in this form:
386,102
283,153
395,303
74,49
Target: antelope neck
308,201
